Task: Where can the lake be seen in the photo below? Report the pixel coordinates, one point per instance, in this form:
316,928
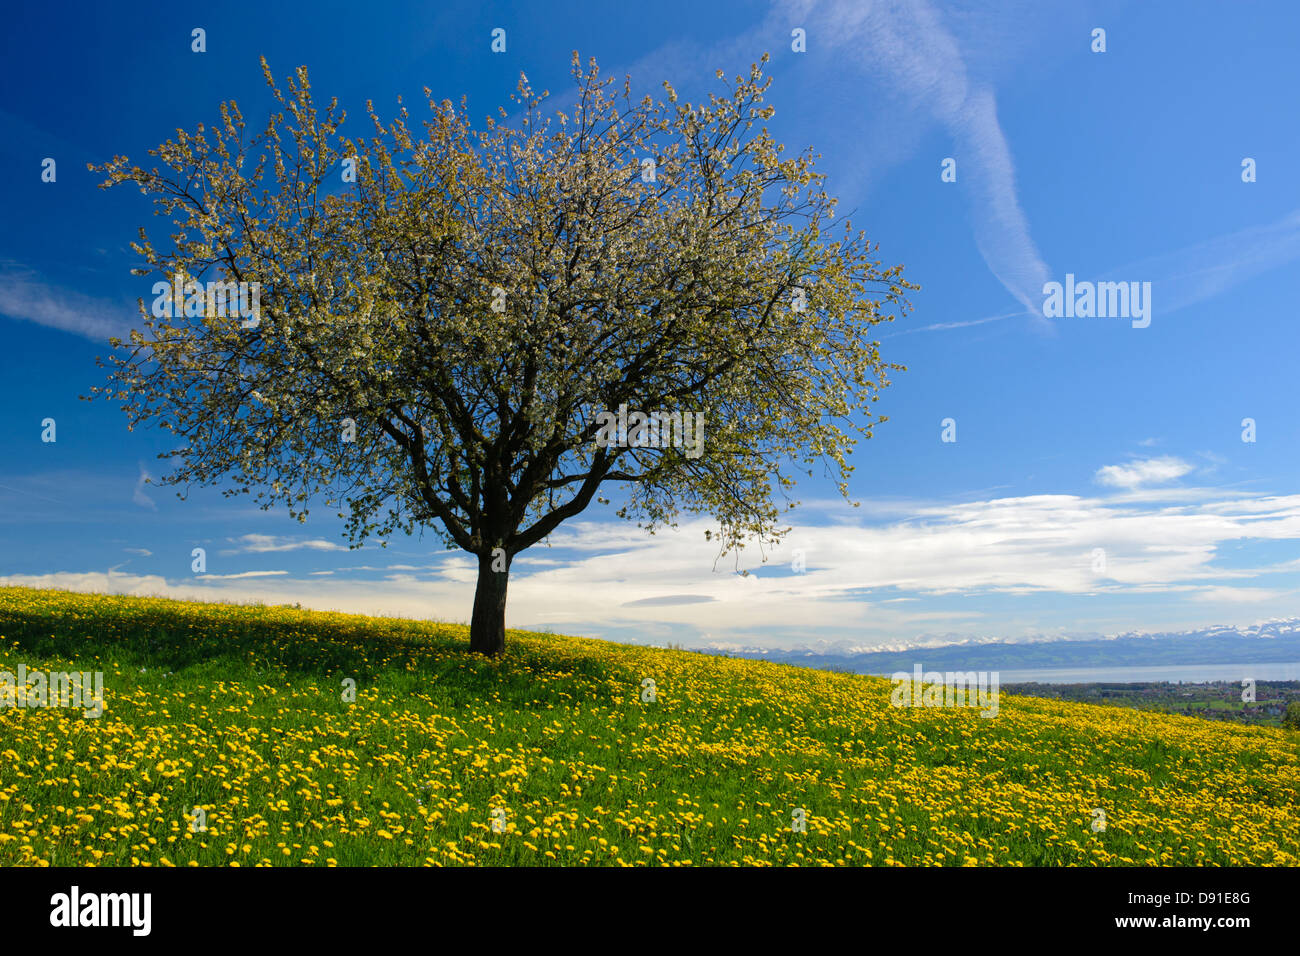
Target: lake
1178,673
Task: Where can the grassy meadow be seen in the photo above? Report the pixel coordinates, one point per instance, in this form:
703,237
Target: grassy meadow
550,756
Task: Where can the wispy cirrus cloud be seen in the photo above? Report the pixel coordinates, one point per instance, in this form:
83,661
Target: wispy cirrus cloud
945,326
1205,269
930,57
268,543
25,296
1189,274
138,495
911,50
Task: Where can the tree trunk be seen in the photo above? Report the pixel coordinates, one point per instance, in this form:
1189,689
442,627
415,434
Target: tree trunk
487,628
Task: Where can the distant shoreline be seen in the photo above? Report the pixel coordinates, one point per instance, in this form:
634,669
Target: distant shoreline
1144,673
1214,654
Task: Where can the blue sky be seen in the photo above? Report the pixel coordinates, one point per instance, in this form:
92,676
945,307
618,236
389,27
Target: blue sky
1072,434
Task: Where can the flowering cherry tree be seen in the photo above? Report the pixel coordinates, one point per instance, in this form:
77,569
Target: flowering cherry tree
449,318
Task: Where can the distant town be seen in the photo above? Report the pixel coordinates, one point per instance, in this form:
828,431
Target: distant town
1219,700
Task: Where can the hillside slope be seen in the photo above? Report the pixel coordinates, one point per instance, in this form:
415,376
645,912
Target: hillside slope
550,755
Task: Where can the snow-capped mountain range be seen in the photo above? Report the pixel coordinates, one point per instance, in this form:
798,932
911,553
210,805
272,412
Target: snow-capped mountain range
1272,641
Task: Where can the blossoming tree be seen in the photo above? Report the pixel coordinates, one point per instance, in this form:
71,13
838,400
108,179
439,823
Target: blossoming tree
448,317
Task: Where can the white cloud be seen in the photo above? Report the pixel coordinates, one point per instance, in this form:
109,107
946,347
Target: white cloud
985,567
1227,595
24,296
1143,472
139,496
240,575
266,543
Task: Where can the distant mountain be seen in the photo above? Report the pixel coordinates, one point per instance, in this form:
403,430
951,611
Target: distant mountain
1276,641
